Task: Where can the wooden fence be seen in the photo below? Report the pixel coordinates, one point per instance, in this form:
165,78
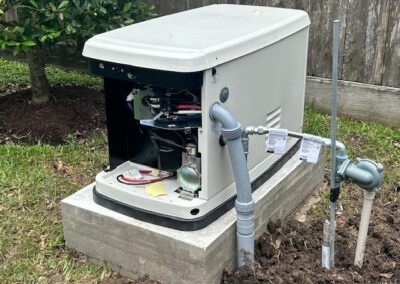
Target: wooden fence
369,37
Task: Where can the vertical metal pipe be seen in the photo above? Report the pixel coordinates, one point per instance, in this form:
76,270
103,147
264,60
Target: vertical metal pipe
333,182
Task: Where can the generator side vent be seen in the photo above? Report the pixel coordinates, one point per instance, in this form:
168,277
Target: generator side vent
274,118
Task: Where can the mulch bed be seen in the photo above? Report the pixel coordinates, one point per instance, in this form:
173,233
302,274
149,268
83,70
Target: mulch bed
291,252
75,111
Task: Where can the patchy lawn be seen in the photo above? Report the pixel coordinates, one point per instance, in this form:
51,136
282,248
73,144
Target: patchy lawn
35,176
33,180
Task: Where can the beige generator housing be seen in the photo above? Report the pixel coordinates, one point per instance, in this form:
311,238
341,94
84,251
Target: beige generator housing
168,161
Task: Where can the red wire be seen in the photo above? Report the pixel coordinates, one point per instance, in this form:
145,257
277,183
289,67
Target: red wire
125,179
196,107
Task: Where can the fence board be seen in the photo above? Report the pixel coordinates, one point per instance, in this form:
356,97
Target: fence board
320,43
369,35
391,75
376,33
354,47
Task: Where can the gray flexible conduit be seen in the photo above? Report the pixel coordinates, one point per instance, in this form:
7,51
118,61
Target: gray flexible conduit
244,205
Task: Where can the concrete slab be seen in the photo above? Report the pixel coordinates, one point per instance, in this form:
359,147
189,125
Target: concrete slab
136,248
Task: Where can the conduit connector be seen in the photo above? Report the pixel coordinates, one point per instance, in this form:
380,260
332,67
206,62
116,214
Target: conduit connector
245,142
244,204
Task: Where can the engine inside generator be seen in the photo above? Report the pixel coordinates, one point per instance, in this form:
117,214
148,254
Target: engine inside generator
168,119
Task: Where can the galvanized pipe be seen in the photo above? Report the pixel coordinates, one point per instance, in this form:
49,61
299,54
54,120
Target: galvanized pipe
334,183
261,130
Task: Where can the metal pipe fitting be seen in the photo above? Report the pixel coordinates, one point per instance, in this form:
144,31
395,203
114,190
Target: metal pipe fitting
364,172
339,146
245,142
260,130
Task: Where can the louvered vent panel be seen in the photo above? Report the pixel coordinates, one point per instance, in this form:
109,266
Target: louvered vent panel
274,118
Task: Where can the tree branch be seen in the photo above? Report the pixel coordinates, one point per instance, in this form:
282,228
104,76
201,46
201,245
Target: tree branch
6,24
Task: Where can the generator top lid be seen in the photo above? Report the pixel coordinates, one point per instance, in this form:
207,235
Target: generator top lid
197,39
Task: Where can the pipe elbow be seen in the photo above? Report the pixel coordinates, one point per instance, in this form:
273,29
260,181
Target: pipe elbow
358,175
219,113
339,146
365,173
231,129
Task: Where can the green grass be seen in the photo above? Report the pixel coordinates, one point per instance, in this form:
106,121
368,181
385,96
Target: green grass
365,140
13,73
34,179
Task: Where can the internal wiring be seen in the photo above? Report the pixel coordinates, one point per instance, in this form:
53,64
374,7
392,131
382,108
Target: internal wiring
155,136
194,138
187,92
180,137
195,107
124,180
146,100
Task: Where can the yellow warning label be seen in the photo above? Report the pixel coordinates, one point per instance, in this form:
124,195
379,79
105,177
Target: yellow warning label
156,189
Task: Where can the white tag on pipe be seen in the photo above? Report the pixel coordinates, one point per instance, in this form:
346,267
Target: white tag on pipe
276,141
310,148
326,257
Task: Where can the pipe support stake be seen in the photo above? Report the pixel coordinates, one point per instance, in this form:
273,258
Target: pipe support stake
369,196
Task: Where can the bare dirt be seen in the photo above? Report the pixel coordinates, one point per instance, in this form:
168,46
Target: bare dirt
286,253
72,111
291,252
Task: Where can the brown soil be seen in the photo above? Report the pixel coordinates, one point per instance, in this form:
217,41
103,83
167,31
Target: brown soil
73,111
287,253
291,252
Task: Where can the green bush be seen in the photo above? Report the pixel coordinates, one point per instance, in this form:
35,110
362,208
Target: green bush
13,73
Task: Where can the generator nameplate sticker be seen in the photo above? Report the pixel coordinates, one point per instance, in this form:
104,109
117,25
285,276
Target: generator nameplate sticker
276,141
310,148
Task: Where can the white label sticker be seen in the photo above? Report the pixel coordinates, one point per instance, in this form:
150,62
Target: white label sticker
325,256
276,141
310,148
134,173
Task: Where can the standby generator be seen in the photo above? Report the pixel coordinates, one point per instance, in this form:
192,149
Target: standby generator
169,163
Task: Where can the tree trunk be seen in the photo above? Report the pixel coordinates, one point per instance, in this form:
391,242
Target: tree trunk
11,15
39,83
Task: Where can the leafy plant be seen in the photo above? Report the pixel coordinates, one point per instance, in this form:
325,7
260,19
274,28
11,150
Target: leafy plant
33,26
